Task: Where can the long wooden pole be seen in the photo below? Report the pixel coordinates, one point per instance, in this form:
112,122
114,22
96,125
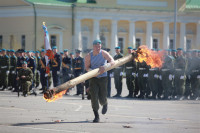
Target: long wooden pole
50,93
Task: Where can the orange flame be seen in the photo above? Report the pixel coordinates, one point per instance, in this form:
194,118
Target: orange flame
55,97
152,58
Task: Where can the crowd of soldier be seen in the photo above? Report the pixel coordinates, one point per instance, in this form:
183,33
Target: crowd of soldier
178,78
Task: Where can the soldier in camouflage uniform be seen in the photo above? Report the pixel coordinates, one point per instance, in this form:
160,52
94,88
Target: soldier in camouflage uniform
130,69
5,66
188,91
25,77
13,65
37,77
118,73
180,66
66,66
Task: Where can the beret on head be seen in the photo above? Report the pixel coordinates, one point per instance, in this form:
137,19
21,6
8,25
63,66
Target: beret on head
118,47
96,41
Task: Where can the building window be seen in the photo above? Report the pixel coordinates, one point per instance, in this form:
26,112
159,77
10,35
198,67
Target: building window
155,43
23,41
1,41
53,40
103,41
171,44
84,43
138,42
121,43
188,44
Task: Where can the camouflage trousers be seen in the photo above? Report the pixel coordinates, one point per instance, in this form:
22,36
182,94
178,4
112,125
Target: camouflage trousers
98,91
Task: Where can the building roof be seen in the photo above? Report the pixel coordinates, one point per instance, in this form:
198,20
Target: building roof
193,4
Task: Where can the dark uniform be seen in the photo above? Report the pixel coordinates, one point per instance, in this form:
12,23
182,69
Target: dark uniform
5,66
37,77
118,74
55,66
45,79
180,66
13,65
130,69
26,82
66,68
78,70
195,75
143,70
20,61
0,69
167,76
31,63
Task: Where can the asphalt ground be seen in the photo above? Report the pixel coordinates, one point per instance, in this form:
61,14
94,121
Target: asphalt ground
71,114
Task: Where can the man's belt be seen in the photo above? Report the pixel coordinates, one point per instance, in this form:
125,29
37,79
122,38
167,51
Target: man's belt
194,71
152,69
165,70
4,66
77,68
178,69
129,67
142,68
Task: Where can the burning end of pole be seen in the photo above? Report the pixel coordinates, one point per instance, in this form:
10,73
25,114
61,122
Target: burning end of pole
51,96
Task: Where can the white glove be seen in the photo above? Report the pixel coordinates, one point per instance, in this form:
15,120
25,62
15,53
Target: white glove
181,77
198,76
111,75
189,76
147,75
144,75
155,76
160,77
13,72
7,72
170,77
133,74
173,76
46,75
58,72
38,71
51,72
136,74
121,73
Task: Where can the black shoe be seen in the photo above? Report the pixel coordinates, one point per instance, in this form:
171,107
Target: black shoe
104,109
41,89
117,95
96,119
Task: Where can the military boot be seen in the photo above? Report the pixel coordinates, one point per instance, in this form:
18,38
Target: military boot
96,119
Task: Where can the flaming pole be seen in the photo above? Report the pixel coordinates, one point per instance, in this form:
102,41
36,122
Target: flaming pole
49,94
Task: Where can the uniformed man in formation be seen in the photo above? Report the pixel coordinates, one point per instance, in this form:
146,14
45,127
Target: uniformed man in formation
178,78
78,69
118,73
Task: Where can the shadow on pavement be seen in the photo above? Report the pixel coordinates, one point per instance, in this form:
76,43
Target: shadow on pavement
46,123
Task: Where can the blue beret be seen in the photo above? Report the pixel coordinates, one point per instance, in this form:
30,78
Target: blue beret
0,50
54,47
195,50
37,51
174,50
12,50
96,41
61,53
65,50
24,51
117,47
72,53
134,49
24,62
8,50
3,49
129,48
42,50
179,49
